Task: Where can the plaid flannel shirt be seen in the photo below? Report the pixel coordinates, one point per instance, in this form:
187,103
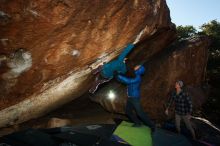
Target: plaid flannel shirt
183,103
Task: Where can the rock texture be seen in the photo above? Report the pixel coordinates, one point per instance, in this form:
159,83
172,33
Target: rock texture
183,60
48,48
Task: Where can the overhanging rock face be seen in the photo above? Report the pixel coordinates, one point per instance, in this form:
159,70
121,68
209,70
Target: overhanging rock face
62,41
183,60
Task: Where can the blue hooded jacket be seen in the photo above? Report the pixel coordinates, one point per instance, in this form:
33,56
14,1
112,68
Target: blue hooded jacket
133,84
117,65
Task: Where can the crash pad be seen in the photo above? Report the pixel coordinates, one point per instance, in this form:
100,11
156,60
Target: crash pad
135,136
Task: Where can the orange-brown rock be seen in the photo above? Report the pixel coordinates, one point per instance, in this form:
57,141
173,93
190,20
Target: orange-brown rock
48,48
184,60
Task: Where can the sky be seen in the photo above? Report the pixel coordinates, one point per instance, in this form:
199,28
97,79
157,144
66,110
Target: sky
193,12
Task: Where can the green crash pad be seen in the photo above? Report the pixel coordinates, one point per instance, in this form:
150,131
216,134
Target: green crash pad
135,136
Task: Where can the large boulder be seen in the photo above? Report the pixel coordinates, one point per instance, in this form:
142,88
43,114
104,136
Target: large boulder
48,48
183,60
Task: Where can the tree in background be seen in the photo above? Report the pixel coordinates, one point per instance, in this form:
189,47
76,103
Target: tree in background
212,29
186,31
